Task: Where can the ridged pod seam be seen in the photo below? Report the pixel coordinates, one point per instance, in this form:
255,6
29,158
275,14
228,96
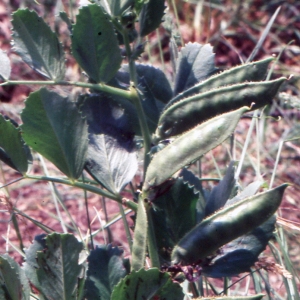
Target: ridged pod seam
226,225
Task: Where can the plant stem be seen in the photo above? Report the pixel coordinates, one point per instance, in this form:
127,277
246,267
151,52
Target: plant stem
152,246
87,214
137,101
17,229
96,86
47,229
135,97
143,125
87,187
126,226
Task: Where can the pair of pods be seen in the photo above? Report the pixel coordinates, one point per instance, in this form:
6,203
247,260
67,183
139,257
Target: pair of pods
226,225
189,112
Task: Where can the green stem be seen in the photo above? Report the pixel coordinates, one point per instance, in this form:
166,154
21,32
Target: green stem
35,222
87,214
137,101
87,187
17,229
152,246
96,86
126,226
135,97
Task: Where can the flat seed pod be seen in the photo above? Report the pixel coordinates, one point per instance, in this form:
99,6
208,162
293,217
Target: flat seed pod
189,147
226,225
254,71
187,113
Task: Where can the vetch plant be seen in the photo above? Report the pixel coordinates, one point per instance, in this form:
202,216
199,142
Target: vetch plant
181,230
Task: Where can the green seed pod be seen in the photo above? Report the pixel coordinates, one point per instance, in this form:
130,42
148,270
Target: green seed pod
187,113
254,71
226,225
189,147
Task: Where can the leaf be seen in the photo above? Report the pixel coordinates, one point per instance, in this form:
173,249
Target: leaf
113,164
189,147
115,7
155,90
105,270
53,127
37,45
138,5
5,68
95,44
63,15
30,266
239,255
151,16
111,157
249,191
156,81
57,269
179,204
13,283
13,151
221,193
140,238
195,63
174,215
147,284
191,180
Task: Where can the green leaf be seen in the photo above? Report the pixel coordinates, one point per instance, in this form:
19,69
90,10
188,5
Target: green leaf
5,68
249,191
138,5
111,157
13,151
13,283
115,7
63,15
56,266
221,193
105,270
155,80
239,255
37,45
110,162
189,147
95,44
30,266
154,88
53,127
174,215
151,16
119,6
147,284
140,237
195,63
191,180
